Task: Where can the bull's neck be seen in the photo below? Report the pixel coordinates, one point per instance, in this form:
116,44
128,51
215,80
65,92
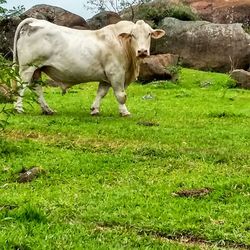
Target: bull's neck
133,67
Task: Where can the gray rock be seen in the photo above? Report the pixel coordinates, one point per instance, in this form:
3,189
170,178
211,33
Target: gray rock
56,15
204,45
242,78
102,19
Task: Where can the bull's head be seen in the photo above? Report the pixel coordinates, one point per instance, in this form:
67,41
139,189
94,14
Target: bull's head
140,38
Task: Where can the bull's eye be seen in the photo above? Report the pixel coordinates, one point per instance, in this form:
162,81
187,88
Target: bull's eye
149,34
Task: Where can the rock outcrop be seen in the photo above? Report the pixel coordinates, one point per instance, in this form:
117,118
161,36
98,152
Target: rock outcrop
56,15
102,19
204,45
218,11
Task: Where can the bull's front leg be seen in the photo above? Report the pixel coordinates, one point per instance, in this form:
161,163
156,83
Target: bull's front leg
121,97
102,90
116,76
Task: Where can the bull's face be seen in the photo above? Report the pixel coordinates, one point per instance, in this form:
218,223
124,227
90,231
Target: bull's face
140,38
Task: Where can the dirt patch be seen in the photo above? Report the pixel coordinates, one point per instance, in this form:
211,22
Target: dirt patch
225,114
193,192
148,123
193,240
185,239
75,141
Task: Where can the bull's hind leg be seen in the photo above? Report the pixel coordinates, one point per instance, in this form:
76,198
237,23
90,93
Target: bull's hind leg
26,74
18,105
36,86
30,77
102,90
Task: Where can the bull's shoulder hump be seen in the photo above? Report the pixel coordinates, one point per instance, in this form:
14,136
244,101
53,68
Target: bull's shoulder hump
120,25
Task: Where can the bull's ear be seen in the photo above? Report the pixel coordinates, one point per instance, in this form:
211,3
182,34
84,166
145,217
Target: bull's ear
125,36
156,34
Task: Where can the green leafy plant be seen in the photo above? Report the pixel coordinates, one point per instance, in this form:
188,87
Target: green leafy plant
246,28
2,9
111,5
174,69
157,12
14,11
8,76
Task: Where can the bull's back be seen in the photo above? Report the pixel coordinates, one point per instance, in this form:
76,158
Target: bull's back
67,55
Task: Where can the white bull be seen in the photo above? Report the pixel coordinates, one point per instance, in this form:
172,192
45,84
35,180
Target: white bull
109,56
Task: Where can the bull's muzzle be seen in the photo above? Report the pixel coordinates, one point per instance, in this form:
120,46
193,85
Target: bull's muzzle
142,53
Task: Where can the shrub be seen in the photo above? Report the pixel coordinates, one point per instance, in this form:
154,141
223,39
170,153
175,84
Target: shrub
8,74
246,28
12,12
157,12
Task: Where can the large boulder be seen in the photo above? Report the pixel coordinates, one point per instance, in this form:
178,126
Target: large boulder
242,78
56,15
206,46
47,12
158,67
218,11
102,19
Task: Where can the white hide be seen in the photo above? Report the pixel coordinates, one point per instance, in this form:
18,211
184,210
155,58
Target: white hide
76,56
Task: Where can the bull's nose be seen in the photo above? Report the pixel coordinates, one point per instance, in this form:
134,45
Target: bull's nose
142,52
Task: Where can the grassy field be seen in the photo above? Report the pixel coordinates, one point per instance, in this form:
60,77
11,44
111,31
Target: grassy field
113,182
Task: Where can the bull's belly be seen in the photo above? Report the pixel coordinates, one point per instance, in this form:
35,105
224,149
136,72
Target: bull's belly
74,76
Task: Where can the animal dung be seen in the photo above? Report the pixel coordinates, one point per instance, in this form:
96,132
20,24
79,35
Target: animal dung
30,174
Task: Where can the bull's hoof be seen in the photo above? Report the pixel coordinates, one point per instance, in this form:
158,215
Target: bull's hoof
48,112
94,112
18,108
19,111
125,114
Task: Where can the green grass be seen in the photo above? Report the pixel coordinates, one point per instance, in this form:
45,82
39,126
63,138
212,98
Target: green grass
109,181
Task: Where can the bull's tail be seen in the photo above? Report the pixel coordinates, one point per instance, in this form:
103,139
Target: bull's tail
15,57
19,27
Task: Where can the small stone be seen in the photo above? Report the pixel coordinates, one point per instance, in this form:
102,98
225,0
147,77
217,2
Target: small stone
148,97
242,78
